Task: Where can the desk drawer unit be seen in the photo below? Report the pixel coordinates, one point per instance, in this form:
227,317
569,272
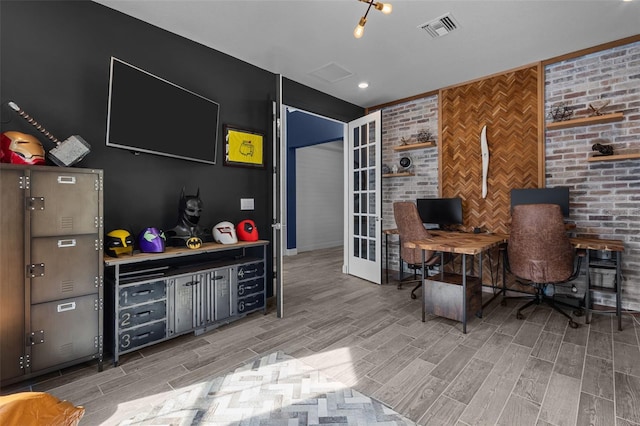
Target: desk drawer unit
444,296
137,337
250,288
136,294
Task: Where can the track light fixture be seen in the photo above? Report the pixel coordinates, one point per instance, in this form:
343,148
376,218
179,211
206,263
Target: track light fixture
383,7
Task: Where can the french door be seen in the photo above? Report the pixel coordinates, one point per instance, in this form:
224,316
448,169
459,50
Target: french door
362,246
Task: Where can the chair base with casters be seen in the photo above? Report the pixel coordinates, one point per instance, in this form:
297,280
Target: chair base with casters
540,296
434,261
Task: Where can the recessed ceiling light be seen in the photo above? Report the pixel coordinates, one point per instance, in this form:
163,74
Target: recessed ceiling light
363,85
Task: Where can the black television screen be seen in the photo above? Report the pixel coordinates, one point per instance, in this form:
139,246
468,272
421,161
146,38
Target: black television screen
556,195
440,211
149,114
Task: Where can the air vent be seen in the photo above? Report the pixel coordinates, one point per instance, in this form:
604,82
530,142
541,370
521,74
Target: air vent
440,26
331,73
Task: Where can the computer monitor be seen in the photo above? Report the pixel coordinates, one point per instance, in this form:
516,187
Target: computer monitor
440,211
556,195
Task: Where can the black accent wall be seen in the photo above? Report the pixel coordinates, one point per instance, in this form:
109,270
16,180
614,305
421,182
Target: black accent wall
55,65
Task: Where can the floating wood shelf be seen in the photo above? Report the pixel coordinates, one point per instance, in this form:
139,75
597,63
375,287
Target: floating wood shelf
411,146
614,157
399,174
586,121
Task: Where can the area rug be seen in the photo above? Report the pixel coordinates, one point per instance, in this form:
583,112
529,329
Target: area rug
276,389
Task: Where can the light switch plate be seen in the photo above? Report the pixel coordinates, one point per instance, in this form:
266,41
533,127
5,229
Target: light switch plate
246,203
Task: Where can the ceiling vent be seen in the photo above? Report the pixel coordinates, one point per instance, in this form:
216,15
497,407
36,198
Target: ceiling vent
440,26
331,73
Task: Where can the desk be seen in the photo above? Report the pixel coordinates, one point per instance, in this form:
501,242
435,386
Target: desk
459,243
614,246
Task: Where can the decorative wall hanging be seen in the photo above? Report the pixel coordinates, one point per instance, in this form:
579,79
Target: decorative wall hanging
243,148
484,148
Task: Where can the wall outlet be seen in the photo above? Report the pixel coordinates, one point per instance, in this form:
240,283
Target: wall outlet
246,204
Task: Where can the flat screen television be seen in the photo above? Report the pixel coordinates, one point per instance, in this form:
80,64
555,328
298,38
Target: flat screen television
443,212
556,195
147,113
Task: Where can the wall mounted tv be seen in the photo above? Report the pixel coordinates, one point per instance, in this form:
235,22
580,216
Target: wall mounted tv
152,115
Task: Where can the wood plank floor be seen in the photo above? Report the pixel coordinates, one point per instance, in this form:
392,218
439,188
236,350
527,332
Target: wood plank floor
504,371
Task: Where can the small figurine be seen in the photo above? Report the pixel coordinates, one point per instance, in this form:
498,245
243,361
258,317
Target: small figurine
602,149
560,112
597,107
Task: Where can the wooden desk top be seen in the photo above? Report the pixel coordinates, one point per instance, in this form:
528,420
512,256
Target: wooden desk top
171,252
597,244
459,242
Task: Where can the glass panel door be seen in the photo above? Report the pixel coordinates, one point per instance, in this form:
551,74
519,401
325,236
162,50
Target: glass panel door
363,240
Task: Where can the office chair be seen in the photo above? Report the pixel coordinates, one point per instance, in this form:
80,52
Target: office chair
540,254
411,228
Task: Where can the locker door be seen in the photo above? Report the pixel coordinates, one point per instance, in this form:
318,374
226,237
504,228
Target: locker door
64,203
71,266
12,269
63,330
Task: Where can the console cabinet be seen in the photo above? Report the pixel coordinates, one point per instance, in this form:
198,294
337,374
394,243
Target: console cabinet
51,269
152,297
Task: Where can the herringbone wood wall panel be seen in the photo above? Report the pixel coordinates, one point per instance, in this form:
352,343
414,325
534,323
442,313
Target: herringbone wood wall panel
508,105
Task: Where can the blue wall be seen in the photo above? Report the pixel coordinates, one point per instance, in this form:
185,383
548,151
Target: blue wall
304,130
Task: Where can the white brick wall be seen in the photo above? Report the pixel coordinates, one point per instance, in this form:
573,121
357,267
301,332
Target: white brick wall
605,196
406,120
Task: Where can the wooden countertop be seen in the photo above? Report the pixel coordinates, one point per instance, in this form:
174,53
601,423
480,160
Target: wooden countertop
459,242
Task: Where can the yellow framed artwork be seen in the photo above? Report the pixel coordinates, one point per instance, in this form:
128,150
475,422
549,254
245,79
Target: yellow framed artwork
243,148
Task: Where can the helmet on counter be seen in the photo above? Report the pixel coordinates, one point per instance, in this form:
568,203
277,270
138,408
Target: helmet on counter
225,233
117,242
151,240
247,230
20,148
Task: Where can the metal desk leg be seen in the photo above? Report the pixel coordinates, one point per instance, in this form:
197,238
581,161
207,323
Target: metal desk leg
424,293
479,314
464,293
587,295
386,256
619,290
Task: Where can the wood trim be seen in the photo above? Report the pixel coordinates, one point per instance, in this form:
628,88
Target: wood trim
542,145
401,101
486,77
440,120
593,49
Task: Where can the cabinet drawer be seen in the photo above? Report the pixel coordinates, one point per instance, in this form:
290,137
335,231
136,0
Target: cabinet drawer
142,314
250,270
135,337
142,293
246,288
250,303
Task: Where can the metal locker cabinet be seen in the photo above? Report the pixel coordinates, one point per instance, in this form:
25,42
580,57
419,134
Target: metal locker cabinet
222,298
187,302
12,272
63,331
64,202
69,264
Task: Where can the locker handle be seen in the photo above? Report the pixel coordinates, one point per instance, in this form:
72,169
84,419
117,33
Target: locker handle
67,243
143,314
141,293
191,283
66,306
218,277
69,180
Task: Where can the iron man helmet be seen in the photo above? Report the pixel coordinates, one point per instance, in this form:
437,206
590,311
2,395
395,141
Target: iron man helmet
20,148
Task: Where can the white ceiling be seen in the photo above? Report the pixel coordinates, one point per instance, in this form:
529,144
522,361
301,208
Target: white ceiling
396,58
